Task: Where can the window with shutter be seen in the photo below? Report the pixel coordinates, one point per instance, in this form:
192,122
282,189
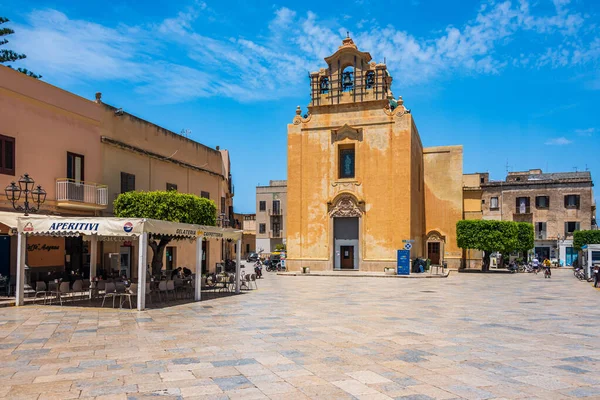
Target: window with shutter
522,205
127,182
542,201
494,203
572,201
262,228
205,195
7,155
571,227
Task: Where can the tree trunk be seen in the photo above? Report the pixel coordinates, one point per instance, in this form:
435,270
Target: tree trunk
486,261
158,251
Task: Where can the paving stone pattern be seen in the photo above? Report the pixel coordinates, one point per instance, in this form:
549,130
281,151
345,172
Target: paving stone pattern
469,336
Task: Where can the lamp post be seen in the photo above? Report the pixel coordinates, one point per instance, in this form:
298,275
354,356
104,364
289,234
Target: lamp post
36,195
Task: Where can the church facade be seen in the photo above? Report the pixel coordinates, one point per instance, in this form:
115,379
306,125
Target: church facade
360,183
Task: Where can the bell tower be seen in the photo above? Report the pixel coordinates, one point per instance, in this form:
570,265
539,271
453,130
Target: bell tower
350,77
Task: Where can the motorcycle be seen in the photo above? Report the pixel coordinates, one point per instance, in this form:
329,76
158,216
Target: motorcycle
512,267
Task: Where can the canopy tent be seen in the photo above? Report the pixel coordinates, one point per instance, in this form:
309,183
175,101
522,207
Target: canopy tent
97,229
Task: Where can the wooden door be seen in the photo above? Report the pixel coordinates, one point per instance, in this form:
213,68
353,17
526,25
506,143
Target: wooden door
347,257
433,252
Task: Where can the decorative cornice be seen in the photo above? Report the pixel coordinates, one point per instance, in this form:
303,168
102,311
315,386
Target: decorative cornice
399,110
298,119
134,149
346,132
346,205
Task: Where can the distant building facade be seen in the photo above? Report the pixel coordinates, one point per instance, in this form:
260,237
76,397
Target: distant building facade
360,184
247,222
271,208
557,204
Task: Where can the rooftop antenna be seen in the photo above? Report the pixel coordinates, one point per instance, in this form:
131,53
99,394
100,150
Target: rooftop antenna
586,167
186,132
575,168
508,167
348,34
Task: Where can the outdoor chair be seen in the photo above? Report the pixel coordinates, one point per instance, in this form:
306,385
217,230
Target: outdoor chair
100,287
62,290
171,288
77,288
245,282
162,288
86,286
179,286
130,292
110,290
120,287
149,291
41,288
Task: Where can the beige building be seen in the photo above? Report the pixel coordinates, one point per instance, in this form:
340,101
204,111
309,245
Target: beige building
84,153
360,183
472,195
247,222
557,204
271,209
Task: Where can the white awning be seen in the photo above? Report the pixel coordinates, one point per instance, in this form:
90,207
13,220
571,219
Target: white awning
9,219
49,225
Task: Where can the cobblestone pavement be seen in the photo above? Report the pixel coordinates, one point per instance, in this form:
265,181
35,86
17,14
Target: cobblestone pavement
469,336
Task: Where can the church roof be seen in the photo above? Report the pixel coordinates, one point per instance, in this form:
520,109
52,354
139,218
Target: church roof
349,46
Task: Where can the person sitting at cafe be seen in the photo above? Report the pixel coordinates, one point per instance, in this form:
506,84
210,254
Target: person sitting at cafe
187,272
176,273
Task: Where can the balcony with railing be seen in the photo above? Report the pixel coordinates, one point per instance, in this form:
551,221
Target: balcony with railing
275,234
275,212
81,195
541,235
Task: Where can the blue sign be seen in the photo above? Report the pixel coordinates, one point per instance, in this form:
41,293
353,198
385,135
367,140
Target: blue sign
403,264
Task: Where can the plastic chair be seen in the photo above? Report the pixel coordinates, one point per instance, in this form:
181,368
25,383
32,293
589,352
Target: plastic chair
77,288
171,288
40,288
130,292
110,290
63,289
162,287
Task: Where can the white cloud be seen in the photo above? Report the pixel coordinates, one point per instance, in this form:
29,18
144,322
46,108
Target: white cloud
188,62
585,132
560,141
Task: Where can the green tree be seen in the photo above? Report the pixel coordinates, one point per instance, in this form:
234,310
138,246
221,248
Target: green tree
167,206
487,236
280,247
525,240
9,55
581,238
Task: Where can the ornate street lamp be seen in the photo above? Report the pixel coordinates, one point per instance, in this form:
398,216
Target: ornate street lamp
26,184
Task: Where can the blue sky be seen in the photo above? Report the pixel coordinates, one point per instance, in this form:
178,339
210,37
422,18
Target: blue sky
516,82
